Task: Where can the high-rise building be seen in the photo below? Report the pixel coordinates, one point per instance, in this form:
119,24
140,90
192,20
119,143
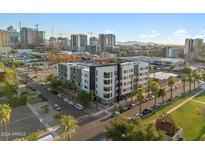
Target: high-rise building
4,38
93,41
14,36
106,41
193,47
78,42
31,38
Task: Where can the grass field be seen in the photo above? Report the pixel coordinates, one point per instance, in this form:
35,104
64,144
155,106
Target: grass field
167,108
191,117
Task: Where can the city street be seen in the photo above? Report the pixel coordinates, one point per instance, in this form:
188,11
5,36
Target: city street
95,130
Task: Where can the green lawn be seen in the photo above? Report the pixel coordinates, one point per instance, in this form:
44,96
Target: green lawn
167,108
191,117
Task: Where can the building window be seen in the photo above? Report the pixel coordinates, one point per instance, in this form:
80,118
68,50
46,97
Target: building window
106,96
107,74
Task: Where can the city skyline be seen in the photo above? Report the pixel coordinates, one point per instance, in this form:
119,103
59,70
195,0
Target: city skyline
158,28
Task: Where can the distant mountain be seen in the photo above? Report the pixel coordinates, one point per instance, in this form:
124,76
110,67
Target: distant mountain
144,43
135,43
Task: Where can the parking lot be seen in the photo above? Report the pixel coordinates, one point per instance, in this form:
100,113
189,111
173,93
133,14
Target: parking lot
22,123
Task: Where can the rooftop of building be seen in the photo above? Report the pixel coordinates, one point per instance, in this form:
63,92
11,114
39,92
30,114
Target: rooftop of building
2,70
162,75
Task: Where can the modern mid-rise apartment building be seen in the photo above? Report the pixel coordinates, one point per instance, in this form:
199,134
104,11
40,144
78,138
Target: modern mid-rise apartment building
108,82
78,42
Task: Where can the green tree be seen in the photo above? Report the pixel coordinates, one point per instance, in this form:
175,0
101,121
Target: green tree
190,79
196,77
184,79
155,88
8,90
5,112
140,96
33,136
162,93
69,126
171,82
187,70
84,98
123,129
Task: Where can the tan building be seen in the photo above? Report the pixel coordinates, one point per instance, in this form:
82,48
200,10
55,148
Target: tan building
4,38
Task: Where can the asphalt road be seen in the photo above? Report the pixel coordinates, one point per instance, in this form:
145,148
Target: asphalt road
95,130
66,109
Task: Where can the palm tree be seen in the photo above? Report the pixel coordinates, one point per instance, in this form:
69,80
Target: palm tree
5,112
155,88
171,82
184,79
190,79
194,76
69,125
162,93
140,96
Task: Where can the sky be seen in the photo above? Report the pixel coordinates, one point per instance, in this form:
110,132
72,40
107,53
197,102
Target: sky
159,28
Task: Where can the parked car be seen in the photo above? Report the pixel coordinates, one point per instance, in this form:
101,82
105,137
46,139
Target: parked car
179,94
71,103
49,89
54,92
114,114
131,106
60,96
123,109
79,106
38,92
56,107
66,100
159,105
146,111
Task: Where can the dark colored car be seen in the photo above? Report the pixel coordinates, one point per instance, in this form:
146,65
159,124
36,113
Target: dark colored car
146,111
55,92
115,114
122,109
131,106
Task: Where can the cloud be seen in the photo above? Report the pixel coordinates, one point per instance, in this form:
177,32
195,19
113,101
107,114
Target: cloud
177,37
152,34
180,31
201,34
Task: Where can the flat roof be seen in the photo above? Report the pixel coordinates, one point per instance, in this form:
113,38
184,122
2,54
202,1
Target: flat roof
2,70
162,75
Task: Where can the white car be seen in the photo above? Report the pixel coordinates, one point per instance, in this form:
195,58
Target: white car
71,103
78,106
60,96
49,89
66,100
38,92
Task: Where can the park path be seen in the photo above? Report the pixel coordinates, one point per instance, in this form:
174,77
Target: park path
186,101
